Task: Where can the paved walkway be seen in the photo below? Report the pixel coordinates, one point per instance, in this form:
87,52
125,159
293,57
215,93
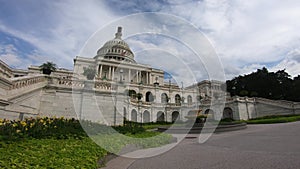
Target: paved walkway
273,146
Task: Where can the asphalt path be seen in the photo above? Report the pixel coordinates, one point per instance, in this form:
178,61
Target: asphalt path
271,146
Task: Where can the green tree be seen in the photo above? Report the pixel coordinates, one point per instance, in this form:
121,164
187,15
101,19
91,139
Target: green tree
48,67
262,83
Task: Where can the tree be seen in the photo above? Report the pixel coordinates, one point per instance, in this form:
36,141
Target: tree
89,72
48,67
139,96
262,83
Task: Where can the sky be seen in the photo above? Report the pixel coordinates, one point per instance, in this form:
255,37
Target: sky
245,35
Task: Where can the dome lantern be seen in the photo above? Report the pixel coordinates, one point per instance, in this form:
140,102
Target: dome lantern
116,49
119,33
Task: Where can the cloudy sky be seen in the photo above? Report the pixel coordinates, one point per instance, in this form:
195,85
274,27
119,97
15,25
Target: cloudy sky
246,35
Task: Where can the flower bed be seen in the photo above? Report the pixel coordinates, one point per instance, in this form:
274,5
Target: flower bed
62,143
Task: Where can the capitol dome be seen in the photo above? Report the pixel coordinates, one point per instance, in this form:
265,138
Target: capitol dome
116,49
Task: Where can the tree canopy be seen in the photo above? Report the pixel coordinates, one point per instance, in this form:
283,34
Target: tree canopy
262,83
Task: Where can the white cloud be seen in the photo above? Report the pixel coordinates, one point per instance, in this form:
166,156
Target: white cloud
246,34
71,25
8,54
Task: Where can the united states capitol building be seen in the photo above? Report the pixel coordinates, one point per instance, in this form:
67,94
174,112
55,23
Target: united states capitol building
121,90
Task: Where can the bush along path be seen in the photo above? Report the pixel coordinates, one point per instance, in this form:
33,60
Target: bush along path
274,119
62,143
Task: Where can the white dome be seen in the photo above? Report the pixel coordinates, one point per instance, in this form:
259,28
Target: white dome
116,49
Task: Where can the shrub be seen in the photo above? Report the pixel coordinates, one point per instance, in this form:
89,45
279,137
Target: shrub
48,67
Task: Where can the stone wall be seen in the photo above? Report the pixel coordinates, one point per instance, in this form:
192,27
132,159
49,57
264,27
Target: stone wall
56,97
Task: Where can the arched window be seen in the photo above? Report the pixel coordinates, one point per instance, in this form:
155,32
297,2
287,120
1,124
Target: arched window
175,116
132,94
146,116
164,98
189,99
134,115
149,97
177,99
160,117
227,113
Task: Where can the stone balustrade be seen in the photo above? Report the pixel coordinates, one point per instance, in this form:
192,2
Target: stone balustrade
103,86
70,83
279,103
5,70
22,82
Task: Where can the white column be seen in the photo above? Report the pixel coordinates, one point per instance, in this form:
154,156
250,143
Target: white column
109,72
137,76
113,73
100,73
147,78
129,74
140,76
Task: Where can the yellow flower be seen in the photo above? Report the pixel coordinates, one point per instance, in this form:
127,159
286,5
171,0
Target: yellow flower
1,124
23,123
18,131
15,124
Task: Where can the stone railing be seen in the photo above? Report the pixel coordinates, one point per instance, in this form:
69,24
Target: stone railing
279,103
22,82
5,70
69,83
103,86
15,87
97,85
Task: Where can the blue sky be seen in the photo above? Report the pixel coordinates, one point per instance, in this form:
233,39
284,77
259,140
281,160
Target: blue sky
246,35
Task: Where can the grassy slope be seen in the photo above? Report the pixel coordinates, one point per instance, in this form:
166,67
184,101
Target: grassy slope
70,153
51,153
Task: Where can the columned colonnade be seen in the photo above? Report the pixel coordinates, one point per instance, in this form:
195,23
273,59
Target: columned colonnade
126,74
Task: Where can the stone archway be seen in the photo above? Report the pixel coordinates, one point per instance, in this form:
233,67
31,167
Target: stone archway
146,116
134,115
160,117
175,116
227,113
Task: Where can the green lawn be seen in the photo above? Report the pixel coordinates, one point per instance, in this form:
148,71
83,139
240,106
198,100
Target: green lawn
51,153
61,143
